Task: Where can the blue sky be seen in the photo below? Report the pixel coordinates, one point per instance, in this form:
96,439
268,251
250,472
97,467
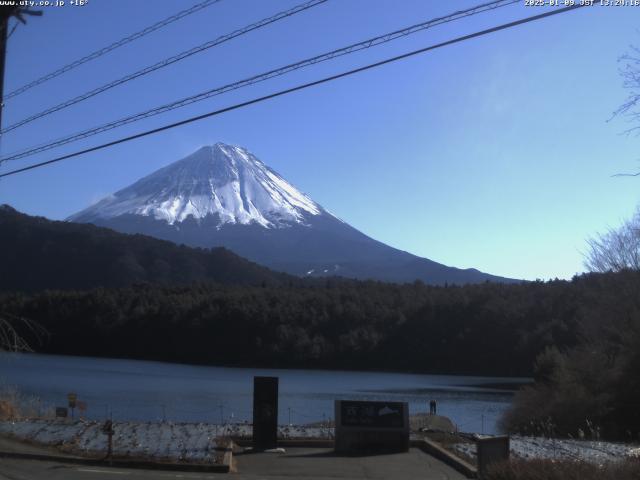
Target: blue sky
494,153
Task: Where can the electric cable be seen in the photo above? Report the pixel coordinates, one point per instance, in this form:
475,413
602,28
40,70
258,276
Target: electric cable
104,50
369,43
298,87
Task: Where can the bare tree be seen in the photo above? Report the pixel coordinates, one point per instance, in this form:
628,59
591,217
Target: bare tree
618,249
630,73
13,330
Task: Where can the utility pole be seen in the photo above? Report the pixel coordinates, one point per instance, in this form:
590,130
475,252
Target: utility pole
4,30
6,12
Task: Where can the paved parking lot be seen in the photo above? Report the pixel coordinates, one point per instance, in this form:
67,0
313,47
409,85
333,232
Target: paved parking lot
317,464
303,463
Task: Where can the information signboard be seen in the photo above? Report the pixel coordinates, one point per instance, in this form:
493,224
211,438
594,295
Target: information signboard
372,414
371,426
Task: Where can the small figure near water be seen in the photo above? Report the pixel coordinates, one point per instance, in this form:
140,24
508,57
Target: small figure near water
432,407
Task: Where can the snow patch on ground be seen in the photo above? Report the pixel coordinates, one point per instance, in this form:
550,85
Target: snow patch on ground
186,442
561,449
176,442
198,442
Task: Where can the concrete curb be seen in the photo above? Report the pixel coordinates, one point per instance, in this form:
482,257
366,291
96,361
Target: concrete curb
312,443
435,450
291,443
129,463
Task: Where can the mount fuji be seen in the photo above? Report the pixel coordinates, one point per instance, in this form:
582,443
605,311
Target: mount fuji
223,195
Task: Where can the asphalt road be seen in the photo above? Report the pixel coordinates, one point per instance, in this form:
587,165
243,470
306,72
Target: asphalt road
13,469
312,464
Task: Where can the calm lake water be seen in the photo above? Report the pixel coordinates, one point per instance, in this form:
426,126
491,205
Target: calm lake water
141,390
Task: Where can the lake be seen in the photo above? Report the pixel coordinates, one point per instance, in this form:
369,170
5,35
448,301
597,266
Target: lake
143,390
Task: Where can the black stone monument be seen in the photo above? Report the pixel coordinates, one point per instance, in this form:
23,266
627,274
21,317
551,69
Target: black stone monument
265,413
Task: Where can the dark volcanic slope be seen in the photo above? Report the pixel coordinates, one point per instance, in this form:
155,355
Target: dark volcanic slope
323,246
36,254
224,196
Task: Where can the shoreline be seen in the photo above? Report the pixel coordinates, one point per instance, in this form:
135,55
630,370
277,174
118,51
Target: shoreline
184,442
517,379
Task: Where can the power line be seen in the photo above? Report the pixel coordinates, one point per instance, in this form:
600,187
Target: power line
371,42
102,51
166,62
298,87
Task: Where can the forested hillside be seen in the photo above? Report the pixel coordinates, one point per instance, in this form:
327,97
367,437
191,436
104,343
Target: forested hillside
155,300
37,254
593,388
485,329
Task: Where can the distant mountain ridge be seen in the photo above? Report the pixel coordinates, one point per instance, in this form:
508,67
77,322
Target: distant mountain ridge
222,195
38,254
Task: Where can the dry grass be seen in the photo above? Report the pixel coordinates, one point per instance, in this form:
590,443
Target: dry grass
15,405
564,470
7,410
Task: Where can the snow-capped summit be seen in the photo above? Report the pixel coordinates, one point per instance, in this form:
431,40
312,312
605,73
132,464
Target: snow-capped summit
222,195
223,180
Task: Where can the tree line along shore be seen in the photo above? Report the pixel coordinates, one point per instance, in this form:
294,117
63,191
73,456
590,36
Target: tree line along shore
579,339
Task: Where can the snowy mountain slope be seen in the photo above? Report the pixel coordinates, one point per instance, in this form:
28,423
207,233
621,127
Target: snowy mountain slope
221,180
223,195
